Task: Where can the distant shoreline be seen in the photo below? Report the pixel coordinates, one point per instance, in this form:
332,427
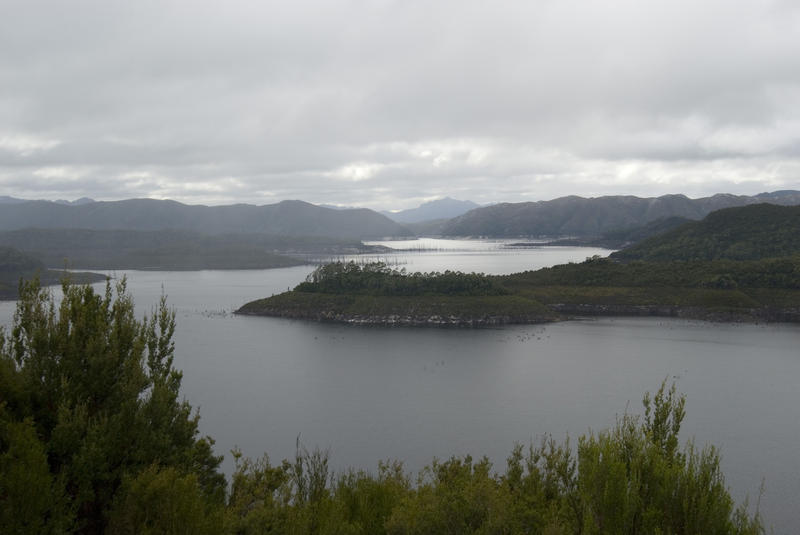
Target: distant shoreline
9,289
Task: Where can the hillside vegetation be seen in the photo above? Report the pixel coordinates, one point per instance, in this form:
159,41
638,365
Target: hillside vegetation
738,262
16,265
747,233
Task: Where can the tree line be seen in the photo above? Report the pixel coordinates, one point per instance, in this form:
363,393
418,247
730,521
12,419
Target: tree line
377,278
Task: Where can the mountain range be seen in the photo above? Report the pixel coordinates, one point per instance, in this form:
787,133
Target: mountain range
582,217
571,216
289,218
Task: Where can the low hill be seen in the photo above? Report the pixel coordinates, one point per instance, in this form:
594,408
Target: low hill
16,265
15,261
747,233
581,217
616,239
290,218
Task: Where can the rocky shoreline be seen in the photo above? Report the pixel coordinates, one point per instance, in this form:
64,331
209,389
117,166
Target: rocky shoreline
561,312
404,320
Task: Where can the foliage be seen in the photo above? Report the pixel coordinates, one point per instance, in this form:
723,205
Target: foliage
379,279
14,261
99,389
164,500
633,478
746,233
31,499
721,274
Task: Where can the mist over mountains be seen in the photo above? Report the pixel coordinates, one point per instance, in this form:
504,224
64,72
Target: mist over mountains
446,208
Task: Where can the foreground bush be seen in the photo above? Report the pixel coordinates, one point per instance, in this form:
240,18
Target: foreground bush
94,438
633,478
92,394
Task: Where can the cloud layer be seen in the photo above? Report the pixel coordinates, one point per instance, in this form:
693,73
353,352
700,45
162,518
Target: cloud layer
388,103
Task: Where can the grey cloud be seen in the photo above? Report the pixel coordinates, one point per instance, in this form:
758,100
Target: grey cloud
257,102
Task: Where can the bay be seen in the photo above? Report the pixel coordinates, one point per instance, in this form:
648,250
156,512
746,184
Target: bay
370,394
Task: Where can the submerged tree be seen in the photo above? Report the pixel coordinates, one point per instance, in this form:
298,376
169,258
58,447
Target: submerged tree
95,391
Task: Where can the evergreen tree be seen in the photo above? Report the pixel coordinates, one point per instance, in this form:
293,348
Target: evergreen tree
97,390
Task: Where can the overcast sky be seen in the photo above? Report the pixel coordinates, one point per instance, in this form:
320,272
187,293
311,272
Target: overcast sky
386,104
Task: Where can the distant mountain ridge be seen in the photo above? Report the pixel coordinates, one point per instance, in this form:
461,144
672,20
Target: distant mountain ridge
291,218
585,217
446,208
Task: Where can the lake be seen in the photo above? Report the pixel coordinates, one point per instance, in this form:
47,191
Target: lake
373,393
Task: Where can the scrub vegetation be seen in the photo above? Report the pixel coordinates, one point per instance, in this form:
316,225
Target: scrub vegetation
95,437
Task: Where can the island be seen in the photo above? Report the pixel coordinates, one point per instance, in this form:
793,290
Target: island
738,264
376,294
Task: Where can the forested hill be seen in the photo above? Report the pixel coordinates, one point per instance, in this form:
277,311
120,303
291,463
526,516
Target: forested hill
291,218
587,217
15,264
14,261
747,233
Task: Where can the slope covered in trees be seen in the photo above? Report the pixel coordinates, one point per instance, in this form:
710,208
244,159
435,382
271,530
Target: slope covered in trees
94,438
16,265
747,233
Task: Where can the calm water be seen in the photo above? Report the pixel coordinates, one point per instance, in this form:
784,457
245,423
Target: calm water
412,394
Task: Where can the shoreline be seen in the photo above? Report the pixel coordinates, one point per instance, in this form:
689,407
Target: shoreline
560,312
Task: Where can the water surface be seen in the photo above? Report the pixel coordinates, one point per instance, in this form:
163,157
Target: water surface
372,393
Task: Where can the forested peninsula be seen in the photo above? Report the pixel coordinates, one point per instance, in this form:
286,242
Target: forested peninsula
738,264
16,266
